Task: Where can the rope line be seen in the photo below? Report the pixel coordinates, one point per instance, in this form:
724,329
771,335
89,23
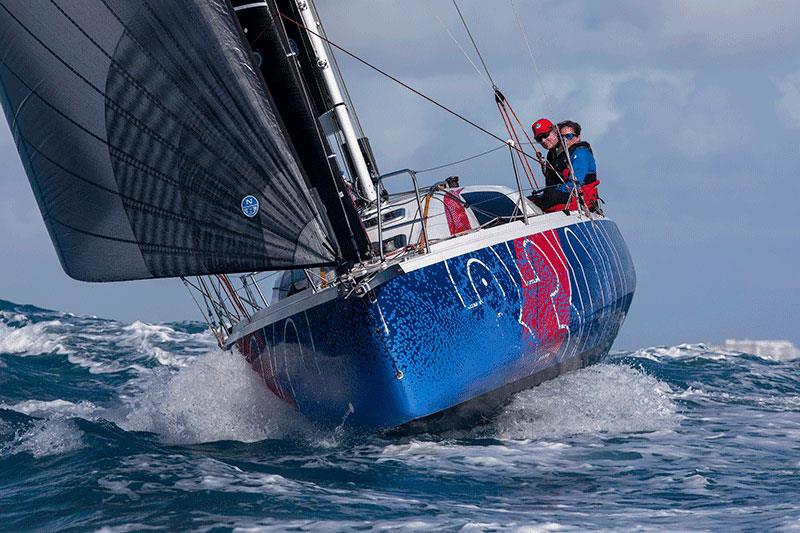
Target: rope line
480,74
470,158
542,161
515,141
403,84
537,73
474,44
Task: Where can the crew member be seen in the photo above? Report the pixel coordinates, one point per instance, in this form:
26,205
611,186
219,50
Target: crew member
559,184
546,134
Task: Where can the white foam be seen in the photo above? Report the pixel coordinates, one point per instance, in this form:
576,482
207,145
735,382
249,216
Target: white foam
598,399
684,351
195,474
774,350
144,338
9,316
32,339
104,347
217,396
44,438
49,408
95,366
217,476
454,457
126,528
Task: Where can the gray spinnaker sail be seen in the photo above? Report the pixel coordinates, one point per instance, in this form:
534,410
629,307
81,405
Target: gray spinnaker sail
143,128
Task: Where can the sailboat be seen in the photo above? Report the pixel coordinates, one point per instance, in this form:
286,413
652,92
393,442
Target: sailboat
215,142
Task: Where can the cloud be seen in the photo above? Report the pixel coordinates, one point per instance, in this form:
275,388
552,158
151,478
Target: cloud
411,35
600,105
788,105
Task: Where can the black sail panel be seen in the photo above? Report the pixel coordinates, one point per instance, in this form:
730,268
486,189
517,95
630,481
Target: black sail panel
299,101
151,144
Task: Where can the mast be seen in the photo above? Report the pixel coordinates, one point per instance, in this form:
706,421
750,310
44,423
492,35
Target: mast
293,84
339,105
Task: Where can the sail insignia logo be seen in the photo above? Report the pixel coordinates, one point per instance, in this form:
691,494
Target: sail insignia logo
250,206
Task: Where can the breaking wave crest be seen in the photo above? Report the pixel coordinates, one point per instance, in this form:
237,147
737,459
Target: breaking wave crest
47,429
33,338
44,438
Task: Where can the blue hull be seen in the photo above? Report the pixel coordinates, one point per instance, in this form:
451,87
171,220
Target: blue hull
479,325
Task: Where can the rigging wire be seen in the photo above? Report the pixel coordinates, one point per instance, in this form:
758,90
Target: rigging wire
549,108
506,111
470,158
515,140
403,84
537,73
474,44
480,74
350,105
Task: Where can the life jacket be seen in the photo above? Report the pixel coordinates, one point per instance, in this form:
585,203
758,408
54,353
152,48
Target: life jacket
590,196
554,167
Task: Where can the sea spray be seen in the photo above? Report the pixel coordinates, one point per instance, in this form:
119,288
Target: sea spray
217,396
45,438
599,399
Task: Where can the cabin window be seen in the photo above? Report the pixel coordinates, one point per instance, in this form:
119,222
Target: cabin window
391,244
386,217
488,206
395,243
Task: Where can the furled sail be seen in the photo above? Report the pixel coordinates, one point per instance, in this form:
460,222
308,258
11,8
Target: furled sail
151,144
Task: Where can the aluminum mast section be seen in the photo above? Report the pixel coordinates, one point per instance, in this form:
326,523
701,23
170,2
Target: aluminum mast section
342,114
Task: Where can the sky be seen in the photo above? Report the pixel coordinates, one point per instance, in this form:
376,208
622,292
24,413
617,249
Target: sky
692,109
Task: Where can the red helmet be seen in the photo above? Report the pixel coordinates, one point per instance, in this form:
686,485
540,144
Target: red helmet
541,128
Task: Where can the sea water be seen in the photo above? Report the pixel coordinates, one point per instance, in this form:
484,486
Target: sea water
121,427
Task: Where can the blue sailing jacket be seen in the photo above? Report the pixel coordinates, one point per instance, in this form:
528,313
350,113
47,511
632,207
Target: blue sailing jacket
583,165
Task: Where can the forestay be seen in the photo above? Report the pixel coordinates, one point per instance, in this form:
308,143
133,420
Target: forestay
144,130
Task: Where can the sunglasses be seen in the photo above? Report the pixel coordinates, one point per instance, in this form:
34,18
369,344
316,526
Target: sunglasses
569,136
540,138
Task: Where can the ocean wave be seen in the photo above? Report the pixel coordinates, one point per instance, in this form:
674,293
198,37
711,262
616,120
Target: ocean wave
704,351
53,408
98,345
33,339
682,351
97,365
51,430
46,437
158,343
192,475
13,318
150,339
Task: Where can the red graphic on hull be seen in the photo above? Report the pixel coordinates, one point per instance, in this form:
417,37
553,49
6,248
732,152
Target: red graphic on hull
546,291
251,348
